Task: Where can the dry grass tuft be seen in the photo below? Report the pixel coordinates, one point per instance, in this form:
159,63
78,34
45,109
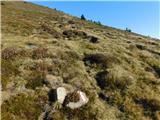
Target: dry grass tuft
114,78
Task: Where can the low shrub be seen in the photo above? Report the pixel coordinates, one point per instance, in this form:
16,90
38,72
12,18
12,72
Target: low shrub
35,80
157,70
74,33
39,53
101,78
141,47
49,29
97,58
150,106
103,60
93,39
9,53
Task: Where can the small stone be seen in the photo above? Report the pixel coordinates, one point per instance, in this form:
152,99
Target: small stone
61,94
83,97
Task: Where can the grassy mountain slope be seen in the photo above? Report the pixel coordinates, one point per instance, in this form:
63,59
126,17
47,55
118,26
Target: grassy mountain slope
118,70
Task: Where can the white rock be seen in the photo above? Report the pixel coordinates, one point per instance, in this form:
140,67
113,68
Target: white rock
61,94
82,101
83,97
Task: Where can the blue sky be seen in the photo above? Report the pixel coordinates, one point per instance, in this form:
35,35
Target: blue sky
141,17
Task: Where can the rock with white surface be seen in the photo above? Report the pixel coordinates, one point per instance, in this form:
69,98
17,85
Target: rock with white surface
73,100
76,99
61,94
